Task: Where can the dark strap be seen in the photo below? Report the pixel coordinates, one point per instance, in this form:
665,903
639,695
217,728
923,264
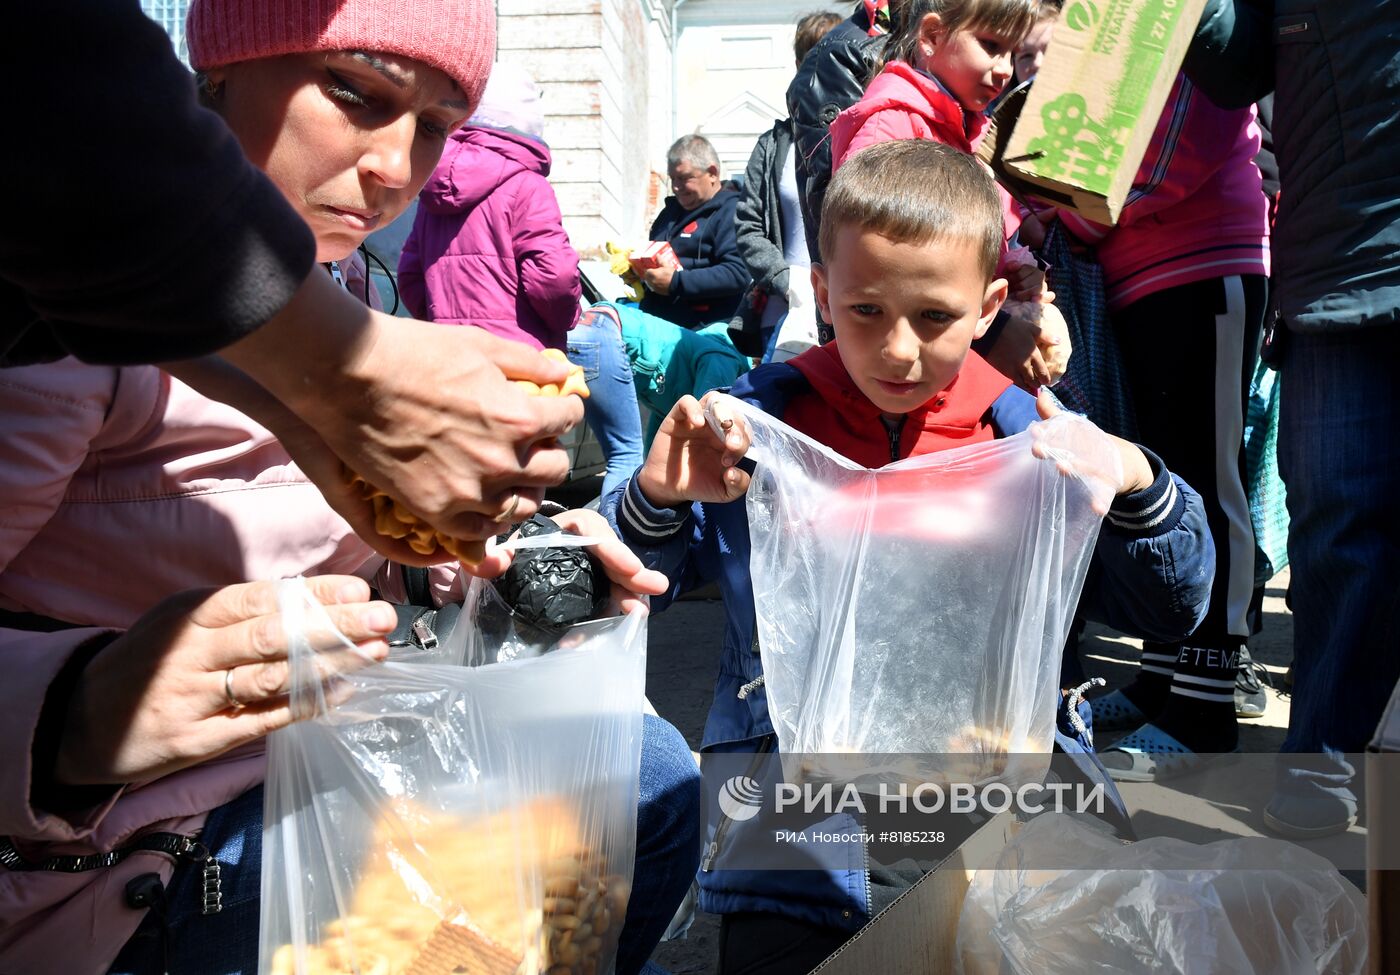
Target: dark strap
13,619
415,580
173,844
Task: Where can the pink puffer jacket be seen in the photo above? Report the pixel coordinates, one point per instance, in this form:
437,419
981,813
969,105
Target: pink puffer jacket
121,486
905,103
488,246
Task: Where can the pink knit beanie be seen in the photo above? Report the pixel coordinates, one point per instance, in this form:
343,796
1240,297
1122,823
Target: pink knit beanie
456,36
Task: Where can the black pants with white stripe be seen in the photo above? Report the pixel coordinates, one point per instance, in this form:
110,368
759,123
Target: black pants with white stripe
1189,354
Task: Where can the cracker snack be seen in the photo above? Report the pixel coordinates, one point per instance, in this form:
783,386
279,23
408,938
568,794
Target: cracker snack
393,520
478,874
477,819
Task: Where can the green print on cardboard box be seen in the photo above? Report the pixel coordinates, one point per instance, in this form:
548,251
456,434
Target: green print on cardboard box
1083,144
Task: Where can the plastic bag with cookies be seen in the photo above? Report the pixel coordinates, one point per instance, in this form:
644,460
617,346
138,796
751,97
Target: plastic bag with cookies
433,818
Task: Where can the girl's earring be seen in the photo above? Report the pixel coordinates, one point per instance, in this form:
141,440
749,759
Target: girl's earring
212,91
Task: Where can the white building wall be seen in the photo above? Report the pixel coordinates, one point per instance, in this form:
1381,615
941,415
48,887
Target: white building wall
734,63
600,64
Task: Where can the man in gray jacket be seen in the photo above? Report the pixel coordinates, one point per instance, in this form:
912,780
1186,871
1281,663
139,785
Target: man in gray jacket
1334,68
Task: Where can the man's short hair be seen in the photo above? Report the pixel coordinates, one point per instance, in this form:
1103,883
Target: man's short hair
693,149
811,28
916,192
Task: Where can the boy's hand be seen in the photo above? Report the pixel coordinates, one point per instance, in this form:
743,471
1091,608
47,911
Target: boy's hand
632,581
1137,472
688,462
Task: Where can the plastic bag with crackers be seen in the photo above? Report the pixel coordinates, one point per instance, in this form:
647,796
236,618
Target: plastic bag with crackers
433,818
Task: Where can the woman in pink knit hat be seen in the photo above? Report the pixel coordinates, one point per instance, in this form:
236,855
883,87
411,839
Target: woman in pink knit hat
144,748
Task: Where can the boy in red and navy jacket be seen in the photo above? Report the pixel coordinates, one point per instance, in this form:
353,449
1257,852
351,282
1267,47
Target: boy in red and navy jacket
911,235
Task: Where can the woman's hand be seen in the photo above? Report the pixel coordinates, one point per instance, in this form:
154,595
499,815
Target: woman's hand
429,414
156,699
688,462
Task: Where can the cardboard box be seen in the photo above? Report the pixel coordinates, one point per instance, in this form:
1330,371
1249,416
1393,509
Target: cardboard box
656,253
918,933
1383,840
1096,101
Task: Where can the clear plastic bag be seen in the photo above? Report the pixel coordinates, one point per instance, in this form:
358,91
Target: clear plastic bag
922,607
1160,907
437,818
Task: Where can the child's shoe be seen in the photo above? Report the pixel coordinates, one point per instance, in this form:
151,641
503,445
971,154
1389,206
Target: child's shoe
1149,754
1115,711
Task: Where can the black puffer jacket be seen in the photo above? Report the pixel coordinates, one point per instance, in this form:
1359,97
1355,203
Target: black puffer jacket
713,275
1334,68
831,79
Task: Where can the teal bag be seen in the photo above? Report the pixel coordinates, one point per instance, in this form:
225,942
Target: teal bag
1268,499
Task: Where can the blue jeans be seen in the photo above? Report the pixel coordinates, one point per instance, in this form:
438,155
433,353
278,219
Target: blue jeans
595,344
668,842
225,943
1339,417
668,854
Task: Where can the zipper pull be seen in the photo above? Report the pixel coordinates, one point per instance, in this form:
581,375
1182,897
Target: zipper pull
711,851
211,883
427,639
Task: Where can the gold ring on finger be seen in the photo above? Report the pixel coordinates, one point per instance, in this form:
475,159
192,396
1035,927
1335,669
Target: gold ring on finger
233,702
509,513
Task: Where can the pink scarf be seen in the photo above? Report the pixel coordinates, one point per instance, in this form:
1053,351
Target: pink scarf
877,12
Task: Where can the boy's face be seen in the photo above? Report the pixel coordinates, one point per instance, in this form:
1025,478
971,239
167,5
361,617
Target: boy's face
904,314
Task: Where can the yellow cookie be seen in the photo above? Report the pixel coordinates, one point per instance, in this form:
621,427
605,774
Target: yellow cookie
393,520
574,384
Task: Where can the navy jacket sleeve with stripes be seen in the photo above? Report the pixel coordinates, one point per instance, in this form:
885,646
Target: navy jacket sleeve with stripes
1150,577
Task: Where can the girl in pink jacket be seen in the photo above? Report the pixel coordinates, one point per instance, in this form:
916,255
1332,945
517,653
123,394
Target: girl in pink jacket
943,67
488,246
138,755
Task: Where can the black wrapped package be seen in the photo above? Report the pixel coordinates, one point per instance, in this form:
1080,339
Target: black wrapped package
553,587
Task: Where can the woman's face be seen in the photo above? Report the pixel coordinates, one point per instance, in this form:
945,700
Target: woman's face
349,137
